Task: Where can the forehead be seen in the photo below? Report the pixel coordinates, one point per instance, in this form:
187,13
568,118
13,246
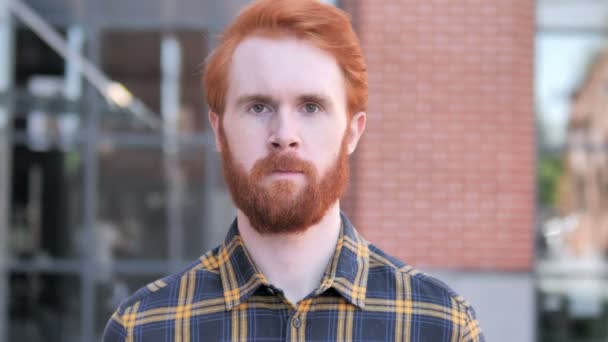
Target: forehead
284,66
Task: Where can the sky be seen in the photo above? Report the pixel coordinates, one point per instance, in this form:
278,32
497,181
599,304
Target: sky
560,64
569,33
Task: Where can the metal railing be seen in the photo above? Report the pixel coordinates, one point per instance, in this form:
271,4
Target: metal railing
6,83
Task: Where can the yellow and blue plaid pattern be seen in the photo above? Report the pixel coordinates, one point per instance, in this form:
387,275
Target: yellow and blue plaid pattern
365,295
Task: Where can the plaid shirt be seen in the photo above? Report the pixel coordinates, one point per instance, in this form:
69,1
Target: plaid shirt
365,295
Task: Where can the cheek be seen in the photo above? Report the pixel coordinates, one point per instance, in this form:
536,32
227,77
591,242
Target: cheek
325,147
247,143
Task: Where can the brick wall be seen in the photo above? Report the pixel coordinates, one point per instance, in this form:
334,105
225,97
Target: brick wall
444,176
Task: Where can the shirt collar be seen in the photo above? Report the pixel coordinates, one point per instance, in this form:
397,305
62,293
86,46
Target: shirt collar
348,270
346,273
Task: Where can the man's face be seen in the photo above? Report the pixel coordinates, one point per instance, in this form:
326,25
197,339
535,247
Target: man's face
285,136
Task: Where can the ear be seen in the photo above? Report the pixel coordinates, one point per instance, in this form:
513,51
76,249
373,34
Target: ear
214,120
356,126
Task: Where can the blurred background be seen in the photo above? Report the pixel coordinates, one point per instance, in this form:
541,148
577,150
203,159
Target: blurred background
484,162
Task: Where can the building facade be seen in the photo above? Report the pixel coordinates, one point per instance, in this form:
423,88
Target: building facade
101,204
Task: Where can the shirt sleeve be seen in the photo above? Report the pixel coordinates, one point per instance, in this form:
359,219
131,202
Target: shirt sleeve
471,332
115,330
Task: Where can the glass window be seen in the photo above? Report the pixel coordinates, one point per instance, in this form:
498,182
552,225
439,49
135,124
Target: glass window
44,307
93,187
572,202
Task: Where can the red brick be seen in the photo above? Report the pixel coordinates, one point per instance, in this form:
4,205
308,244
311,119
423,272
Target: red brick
444,173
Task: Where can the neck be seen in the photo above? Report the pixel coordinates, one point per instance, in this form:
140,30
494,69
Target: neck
296,262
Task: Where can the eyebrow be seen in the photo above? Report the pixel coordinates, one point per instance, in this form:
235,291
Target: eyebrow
242,100
316,98
323,100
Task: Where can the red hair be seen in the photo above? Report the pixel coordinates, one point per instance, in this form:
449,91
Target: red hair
322,25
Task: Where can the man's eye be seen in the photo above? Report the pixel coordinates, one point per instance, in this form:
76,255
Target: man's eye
311,108
258,108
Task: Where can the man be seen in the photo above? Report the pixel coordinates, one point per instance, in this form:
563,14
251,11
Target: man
287,91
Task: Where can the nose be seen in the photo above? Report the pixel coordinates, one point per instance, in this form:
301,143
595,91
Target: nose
283,133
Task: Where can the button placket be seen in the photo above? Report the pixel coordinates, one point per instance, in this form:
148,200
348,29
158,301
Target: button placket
296,322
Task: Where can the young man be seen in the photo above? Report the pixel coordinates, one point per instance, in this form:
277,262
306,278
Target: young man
287,89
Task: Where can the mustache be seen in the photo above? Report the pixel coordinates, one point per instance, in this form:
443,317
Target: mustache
282,162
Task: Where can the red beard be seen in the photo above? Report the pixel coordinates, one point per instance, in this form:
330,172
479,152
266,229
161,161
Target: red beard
280,207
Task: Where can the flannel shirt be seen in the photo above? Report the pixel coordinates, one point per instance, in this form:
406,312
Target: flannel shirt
365,295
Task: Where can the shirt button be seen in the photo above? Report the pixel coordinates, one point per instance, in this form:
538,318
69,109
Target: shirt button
296,322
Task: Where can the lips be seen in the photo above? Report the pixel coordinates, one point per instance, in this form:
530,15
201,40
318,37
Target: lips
281,166
286,171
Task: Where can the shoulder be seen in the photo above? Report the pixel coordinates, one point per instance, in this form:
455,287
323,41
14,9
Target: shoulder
165,292
382,262
198,281
414,284
422,294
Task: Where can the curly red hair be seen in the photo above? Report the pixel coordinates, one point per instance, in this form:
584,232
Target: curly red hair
325,26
